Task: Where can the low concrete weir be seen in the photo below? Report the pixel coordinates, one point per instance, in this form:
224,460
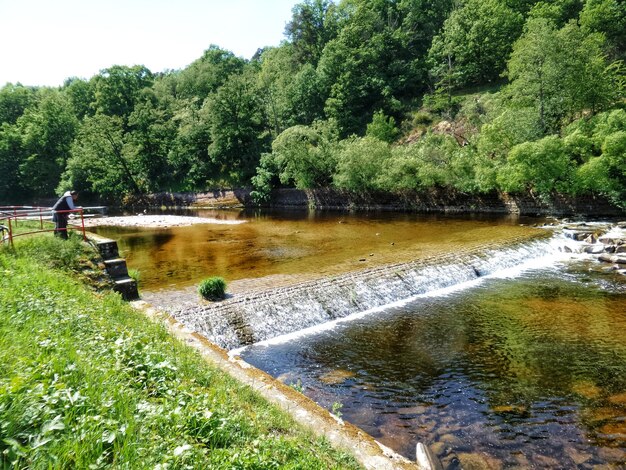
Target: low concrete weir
258,316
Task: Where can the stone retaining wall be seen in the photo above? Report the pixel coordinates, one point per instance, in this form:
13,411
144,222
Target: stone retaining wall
409,201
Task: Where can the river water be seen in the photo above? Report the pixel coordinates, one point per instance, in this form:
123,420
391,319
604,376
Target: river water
523,368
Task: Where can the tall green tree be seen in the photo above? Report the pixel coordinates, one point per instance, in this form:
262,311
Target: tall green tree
313,24
609,18
118,88
475,43
561,72
47,131
11,154
100,162
81,94
239,133
14,100
152,132
204,76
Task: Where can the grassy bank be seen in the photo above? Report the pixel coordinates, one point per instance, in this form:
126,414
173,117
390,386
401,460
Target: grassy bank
87,382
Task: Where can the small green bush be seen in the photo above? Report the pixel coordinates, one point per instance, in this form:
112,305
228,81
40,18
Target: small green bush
212,288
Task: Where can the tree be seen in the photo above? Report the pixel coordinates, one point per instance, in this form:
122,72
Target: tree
47,131
305,97
303,156
542,167
14,100
118,88
99,161
314,23
11,154
609,18
382,127
81,94
277,70
475,44
560,73
152,132
361,162
238,130
204,76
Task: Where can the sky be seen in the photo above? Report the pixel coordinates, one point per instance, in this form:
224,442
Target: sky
44,42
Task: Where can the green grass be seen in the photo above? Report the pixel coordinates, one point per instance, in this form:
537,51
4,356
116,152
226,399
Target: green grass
87,382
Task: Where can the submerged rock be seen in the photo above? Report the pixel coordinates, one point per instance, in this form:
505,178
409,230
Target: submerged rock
479,461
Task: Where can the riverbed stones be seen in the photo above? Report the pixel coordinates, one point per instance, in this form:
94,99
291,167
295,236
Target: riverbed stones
478,461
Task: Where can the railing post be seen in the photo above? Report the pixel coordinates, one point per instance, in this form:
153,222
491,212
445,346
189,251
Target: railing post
40,219
82,223
11,232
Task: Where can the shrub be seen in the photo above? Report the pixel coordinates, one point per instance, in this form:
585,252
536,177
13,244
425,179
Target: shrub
212,288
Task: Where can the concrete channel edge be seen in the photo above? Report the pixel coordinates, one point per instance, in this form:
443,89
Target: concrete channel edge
366,450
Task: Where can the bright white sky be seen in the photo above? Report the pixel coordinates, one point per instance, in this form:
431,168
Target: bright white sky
43,42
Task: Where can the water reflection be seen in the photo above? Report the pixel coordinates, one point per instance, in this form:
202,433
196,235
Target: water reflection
528,372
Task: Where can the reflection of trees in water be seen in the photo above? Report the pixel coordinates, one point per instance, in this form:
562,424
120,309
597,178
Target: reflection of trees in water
506,362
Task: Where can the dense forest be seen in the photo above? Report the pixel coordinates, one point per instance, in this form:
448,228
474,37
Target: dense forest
365,95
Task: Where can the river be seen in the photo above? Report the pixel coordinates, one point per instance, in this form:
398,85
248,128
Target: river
524,367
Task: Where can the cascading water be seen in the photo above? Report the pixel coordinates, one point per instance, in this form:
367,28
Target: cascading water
261,316
520,367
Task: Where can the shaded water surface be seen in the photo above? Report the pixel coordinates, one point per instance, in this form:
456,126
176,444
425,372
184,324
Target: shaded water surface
307,244
527,372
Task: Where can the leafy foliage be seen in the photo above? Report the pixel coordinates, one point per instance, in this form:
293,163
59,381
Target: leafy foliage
212,288
86,382
317,110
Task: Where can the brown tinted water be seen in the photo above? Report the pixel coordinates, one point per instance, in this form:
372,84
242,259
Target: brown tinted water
511,373
281,247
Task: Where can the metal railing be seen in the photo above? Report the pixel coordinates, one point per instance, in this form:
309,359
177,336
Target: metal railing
12,216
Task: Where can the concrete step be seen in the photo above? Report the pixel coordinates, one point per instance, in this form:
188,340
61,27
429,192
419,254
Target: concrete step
116,267
108,249
127,288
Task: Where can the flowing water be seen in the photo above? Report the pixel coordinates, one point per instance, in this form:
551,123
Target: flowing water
520,369
515,359
271,245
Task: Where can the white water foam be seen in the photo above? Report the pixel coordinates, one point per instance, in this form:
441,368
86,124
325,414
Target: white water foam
539,263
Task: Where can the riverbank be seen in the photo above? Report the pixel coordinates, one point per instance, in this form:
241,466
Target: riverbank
86,381
156,221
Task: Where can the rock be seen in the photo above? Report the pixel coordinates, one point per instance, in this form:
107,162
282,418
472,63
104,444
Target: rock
577,456
439,449
611,240
620,259
593,249
336,377
619,399
621,224
451,440
620,249
605,258
591,239
577,234
544,461
479,461
609,454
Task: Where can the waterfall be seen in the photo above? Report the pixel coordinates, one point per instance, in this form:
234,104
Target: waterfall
260,316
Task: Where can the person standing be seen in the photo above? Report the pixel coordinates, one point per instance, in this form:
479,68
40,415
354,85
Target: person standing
59,216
